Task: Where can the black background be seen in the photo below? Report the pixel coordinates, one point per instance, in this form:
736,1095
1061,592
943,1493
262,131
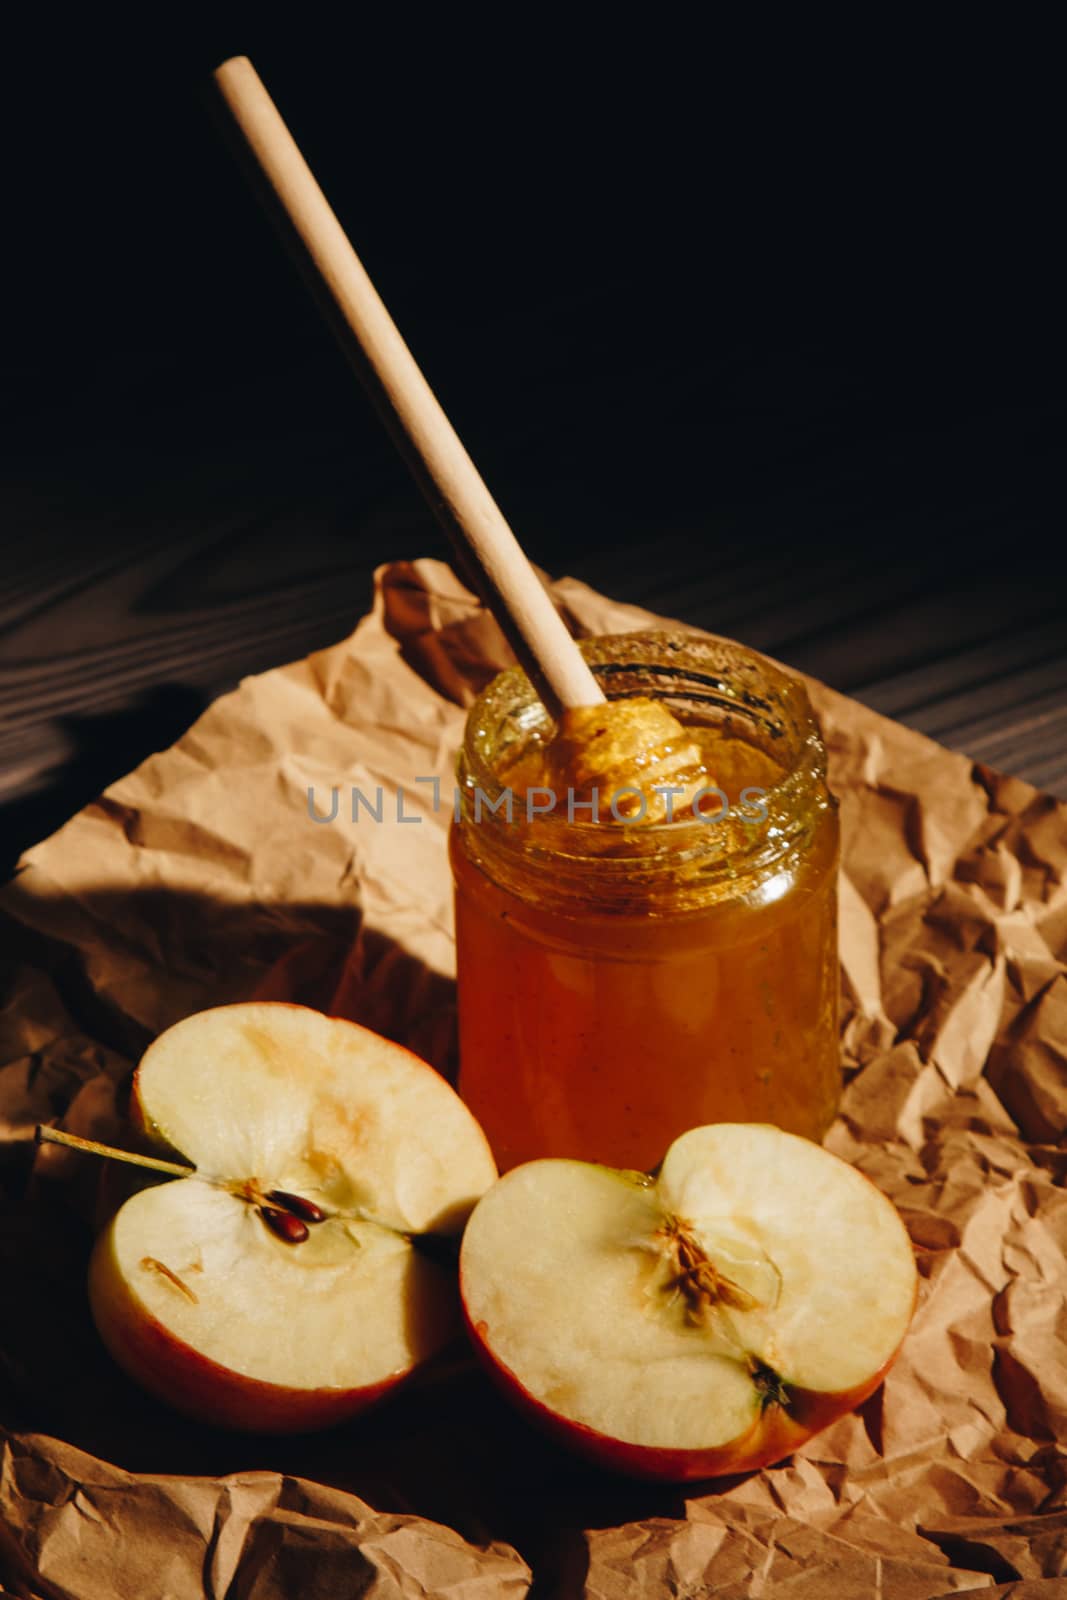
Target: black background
693,294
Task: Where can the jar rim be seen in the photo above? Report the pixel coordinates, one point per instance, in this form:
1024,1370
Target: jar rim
715,675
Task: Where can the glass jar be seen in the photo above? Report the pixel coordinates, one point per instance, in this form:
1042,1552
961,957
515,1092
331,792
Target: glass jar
620,984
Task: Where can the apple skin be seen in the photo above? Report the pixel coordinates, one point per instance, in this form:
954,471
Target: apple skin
776,1434
201,1388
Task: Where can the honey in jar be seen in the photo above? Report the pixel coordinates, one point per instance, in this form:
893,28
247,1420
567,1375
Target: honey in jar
627,976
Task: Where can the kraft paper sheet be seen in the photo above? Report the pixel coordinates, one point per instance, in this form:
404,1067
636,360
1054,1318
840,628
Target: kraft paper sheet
201,878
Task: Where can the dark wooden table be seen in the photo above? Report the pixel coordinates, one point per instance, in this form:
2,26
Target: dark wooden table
133,598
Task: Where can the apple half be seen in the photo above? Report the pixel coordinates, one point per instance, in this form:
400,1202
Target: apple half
704,1321
282,1286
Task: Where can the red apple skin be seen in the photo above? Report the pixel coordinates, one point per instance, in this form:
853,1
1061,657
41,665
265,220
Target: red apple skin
201,1388
775,1435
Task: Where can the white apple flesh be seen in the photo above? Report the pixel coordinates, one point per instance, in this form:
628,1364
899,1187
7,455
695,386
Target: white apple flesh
707,1321
193,1286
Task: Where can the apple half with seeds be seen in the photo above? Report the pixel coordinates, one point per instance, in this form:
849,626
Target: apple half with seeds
707,1320
283,1284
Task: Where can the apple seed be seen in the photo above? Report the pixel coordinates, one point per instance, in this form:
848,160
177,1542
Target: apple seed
284,1224
297,1206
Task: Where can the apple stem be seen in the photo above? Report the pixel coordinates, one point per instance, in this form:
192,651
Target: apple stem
770,1385
46,1135
441,1247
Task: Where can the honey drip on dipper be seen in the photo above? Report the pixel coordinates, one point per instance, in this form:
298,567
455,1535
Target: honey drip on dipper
636,750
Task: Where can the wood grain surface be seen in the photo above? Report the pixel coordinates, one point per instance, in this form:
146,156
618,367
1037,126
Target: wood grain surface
128,606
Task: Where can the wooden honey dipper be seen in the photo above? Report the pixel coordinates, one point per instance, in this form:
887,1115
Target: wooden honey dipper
638,737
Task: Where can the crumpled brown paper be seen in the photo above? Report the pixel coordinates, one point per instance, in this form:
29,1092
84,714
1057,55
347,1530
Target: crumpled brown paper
202,878
256,1534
